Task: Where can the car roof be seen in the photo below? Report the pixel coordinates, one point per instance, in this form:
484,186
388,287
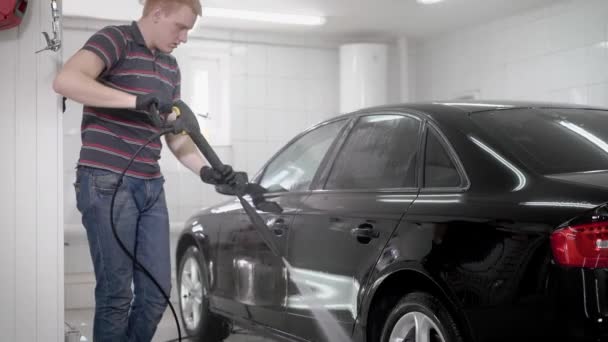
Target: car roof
469,107
452,112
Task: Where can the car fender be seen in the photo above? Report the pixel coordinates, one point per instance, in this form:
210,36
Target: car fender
424,282
196,234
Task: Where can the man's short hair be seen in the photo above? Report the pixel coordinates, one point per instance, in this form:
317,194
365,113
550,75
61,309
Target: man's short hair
149,5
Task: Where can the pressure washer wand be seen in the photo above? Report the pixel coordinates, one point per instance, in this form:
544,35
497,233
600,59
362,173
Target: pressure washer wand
257,221
188,124
328,324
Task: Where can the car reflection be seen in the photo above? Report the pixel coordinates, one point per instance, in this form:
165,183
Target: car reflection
521,178
315,289
330,291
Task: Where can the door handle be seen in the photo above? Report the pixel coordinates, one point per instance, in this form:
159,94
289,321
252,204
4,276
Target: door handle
365,233
278,226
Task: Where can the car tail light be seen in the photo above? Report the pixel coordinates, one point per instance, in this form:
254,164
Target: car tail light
583,245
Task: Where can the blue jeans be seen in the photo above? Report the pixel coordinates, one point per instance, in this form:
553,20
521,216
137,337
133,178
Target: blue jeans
140,214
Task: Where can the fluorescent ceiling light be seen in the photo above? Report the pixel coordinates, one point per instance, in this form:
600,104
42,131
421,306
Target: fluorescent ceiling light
292,19
99,10
427,2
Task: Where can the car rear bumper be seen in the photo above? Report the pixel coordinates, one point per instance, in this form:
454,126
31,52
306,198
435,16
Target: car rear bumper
573,308
582,303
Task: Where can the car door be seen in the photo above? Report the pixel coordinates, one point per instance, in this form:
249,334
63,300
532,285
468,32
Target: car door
252,280
342,227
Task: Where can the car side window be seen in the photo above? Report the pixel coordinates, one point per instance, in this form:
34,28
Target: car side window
439,169
294,168
380,152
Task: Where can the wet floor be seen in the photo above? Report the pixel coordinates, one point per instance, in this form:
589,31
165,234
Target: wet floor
82,321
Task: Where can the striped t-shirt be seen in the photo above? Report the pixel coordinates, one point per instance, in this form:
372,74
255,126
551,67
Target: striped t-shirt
110,137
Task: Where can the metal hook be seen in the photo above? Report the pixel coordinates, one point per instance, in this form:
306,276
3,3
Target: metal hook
53,44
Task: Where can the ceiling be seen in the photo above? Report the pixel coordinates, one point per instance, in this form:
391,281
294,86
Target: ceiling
356,18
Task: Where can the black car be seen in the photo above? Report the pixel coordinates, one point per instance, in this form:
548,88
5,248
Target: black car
420,222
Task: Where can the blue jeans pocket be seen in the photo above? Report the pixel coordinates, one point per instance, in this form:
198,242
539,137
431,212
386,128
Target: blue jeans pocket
105,183
80,189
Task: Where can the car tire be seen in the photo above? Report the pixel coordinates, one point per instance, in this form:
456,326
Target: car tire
423,313
192,286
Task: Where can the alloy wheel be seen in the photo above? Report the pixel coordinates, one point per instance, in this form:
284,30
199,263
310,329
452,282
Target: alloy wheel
192,292
416,327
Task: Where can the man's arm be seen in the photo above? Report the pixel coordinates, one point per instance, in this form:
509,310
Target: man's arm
185,151
188,153
77,80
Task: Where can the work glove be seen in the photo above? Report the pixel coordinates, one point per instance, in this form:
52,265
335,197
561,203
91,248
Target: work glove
212,176
154,105
239,187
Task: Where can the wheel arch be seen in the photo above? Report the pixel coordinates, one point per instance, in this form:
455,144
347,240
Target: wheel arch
187,239
388,289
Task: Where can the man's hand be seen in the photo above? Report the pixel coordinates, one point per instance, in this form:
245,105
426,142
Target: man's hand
239,187
146,102
218,177
154,105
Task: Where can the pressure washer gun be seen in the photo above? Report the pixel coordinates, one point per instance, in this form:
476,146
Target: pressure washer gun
187,123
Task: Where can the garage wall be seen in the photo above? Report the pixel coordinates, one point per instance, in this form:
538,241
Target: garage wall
277,92
279,86
31,256
558,53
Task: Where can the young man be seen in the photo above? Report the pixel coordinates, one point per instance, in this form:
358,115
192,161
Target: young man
119,75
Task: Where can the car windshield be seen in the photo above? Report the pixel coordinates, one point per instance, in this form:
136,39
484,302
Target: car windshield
551,140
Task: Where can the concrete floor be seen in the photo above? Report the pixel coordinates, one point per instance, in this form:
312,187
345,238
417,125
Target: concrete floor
82,320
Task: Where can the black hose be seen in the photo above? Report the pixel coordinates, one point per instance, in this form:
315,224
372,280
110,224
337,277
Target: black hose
121,244
193,130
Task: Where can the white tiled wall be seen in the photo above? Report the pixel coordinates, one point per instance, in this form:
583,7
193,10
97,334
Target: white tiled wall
276,92
557,54
31,257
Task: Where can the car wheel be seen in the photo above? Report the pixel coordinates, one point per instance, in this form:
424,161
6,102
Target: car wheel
420,317
193,290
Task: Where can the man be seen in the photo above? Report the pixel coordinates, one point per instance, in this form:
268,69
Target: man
119,75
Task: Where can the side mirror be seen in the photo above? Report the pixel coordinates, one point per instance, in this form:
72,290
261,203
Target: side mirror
257,195
225,189
242,182
256,192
